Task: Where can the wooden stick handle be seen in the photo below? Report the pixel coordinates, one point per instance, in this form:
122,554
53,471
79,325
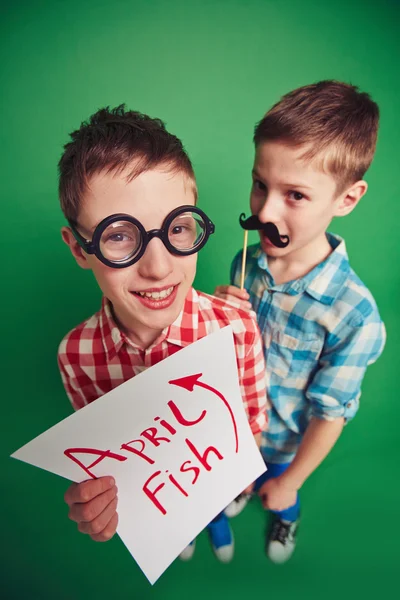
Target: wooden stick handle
243,259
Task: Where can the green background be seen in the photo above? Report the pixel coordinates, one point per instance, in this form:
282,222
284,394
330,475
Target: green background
210,69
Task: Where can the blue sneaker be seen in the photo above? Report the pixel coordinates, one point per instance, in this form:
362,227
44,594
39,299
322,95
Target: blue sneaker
221,537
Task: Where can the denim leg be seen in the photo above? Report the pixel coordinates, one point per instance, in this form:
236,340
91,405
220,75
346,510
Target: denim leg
218,517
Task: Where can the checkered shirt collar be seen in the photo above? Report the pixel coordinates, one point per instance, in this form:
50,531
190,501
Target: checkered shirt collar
324,282
114,338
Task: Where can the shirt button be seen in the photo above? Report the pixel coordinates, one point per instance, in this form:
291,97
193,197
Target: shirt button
349,404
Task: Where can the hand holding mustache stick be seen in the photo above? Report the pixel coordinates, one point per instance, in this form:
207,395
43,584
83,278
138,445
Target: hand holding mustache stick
253,223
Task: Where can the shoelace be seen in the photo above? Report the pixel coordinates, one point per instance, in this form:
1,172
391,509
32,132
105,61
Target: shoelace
281,532
243,496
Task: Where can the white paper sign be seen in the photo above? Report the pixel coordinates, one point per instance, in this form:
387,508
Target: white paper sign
177,440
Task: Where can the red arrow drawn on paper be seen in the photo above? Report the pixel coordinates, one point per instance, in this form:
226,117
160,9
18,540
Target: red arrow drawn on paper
190,381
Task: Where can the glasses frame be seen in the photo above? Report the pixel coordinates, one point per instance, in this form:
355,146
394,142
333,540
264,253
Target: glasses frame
93,246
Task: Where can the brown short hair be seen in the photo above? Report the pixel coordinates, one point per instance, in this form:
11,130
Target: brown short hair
337,122
113,140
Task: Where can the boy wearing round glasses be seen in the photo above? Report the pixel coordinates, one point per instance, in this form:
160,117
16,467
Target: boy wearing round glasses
128,192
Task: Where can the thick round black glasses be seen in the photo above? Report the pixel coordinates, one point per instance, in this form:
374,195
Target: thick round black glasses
121,240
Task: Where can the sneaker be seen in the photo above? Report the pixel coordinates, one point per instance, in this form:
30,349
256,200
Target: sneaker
237,505
188,552
281,540
221,537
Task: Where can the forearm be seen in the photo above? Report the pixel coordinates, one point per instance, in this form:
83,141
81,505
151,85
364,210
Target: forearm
318,441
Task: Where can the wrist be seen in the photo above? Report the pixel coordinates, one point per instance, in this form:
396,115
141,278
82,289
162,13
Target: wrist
290,481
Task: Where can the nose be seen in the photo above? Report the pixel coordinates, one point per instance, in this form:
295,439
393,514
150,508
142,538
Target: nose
271,210
156,263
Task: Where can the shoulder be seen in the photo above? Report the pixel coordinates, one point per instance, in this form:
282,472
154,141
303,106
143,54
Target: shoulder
217,313
252,270
354,325
355,302
252,254
80,340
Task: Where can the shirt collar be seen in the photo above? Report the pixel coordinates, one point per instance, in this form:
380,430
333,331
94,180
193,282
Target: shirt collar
112,336
182,332
324,282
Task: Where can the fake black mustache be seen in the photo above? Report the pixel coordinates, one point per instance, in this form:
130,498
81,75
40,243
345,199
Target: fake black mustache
253,223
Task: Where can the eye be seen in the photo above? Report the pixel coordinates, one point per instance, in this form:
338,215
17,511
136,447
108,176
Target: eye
185,227
118,237
259,185
177,229
295,196
186,231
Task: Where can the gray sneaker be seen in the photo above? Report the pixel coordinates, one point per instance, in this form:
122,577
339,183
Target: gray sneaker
237,505
281,540
188,552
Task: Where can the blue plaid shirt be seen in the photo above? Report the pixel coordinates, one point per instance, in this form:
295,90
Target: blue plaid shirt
320,333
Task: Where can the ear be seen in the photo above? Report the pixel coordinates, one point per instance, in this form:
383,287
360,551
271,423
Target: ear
77,252
348,200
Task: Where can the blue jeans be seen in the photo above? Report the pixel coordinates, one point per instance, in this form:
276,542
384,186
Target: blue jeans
274,470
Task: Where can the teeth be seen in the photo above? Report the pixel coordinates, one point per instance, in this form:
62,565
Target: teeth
157,295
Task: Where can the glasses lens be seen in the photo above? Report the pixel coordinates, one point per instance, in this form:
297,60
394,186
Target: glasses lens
120,241
187,231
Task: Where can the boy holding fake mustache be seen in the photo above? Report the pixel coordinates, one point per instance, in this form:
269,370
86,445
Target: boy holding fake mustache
320,325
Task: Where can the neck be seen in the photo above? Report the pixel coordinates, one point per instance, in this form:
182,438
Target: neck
298,263
141,336
143,339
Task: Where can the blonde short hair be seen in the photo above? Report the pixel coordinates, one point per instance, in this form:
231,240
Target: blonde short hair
337,124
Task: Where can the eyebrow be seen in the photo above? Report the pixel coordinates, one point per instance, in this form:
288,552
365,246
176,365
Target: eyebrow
86,233
286,184
92,229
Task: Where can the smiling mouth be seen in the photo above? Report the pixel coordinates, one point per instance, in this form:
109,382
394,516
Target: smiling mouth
156,295
157,299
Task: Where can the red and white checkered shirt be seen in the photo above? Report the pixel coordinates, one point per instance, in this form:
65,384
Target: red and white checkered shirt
97,356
